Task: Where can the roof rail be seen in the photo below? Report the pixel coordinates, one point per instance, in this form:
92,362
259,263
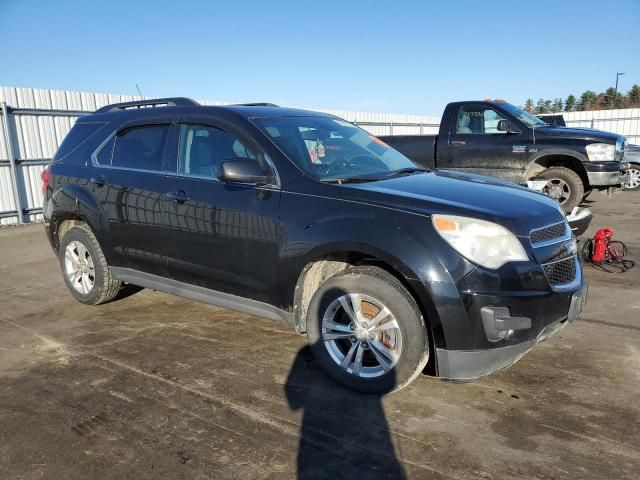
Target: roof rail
255,104
169,102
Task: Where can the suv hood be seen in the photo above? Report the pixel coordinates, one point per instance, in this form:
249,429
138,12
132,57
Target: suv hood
515,207
588,134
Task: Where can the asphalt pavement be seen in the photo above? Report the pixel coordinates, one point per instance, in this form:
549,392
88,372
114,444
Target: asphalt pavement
154,386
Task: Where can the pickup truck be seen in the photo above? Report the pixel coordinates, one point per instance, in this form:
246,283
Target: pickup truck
497,139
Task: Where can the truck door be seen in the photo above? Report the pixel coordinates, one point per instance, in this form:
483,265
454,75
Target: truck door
476,144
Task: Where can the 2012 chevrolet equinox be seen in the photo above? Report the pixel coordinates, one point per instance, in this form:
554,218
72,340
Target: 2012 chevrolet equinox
301,216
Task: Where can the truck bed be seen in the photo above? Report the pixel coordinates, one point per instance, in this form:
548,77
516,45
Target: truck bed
419,148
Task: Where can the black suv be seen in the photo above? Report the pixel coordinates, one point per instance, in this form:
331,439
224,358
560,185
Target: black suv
287,214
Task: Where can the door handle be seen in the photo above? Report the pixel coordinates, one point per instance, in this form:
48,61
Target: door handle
179,197
99,181
458,142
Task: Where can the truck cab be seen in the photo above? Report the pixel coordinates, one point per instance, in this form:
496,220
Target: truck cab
497,139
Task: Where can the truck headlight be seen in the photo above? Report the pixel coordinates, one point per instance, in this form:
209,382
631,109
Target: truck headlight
601,152
485,243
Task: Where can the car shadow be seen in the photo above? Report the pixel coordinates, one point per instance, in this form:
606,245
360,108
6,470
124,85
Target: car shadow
344,434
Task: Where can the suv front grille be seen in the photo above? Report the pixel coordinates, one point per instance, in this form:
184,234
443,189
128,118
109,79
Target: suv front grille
561,272
557,230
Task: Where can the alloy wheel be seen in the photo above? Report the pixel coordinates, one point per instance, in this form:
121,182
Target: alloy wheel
633,178
361,335
79,267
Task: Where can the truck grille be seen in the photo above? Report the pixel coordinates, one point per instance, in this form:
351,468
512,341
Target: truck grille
561,272
557,230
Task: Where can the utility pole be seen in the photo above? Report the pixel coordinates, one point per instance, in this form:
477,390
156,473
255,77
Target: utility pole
615,95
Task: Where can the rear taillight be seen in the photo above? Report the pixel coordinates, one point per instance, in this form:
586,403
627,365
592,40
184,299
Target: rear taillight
46,178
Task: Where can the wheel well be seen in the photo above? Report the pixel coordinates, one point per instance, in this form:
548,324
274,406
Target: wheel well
565,161
316,272
62,224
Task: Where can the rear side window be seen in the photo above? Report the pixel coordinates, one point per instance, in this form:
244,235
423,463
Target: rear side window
79,133
106,152
139,147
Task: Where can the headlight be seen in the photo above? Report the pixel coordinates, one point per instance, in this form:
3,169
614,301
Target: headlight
485,243
601,152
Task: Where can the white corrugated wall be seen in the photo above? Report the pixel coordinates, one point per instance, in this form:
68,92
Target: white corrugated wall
36,138
623,121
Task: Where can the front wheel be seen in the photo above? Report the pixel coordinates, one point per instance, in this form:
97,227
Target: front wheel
633,177
564,185
366,331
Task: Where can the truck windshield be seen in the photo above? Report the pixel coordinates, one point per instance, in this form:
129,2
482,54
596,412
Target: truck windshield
330,149
522,115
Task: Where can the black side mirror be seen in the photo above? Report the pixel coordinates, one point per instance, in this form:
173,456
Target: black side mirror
244,170
506,126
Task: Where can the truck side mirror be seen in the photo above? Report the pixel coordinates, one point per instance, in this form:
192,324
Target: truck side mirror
506,126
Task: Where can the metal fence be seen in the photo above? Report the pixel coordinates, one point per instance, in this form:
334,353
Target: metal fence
29,139
33,123
617,125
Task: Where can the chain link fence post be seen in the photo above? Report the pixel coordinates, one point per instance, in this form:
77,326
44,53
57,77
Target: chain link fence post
12,162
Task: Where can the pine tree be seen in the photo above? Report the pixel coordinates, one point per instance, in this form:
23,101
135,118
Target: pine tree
557,105
587,100
633,96
570,104
528,105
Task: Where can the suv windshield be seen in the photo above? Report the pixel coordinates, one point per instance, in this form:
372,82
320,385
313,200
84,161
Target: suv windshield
524,116
330,149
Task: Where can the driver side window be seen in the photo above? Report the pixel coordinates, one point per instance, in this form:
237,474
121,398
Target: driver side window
478,120
202,150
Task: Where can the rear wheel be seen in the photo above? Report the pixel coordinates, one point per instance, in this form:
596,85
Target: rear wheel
84,267
564,185
633,177
366,331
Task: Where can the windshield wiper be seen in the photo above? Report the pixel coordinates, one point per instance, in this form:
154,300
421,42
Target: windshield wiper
406,171
351,180
382,176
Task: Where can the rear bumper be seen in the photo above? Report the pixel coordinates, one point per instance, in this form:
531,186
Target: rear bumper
466,365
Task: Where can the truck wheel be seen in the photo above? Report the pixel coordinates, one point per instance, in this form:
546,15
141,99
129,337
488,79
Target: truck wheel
84,267
366,331
564,185
633,176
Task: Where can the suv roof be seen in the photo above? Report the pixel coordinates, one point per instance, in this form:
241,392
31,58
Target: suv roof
140,108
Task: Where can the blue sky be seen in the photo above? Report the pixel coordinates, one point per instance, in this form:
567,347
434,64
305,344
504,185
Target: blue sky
388,56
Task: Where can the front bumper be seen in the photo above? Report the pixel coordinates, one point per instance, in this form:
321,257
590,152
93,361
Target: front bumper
605,174
465,365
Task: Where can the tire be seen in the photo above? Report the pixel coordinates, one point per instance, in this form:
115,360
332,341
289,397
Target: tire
633,178
564,185
84,267
371,289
